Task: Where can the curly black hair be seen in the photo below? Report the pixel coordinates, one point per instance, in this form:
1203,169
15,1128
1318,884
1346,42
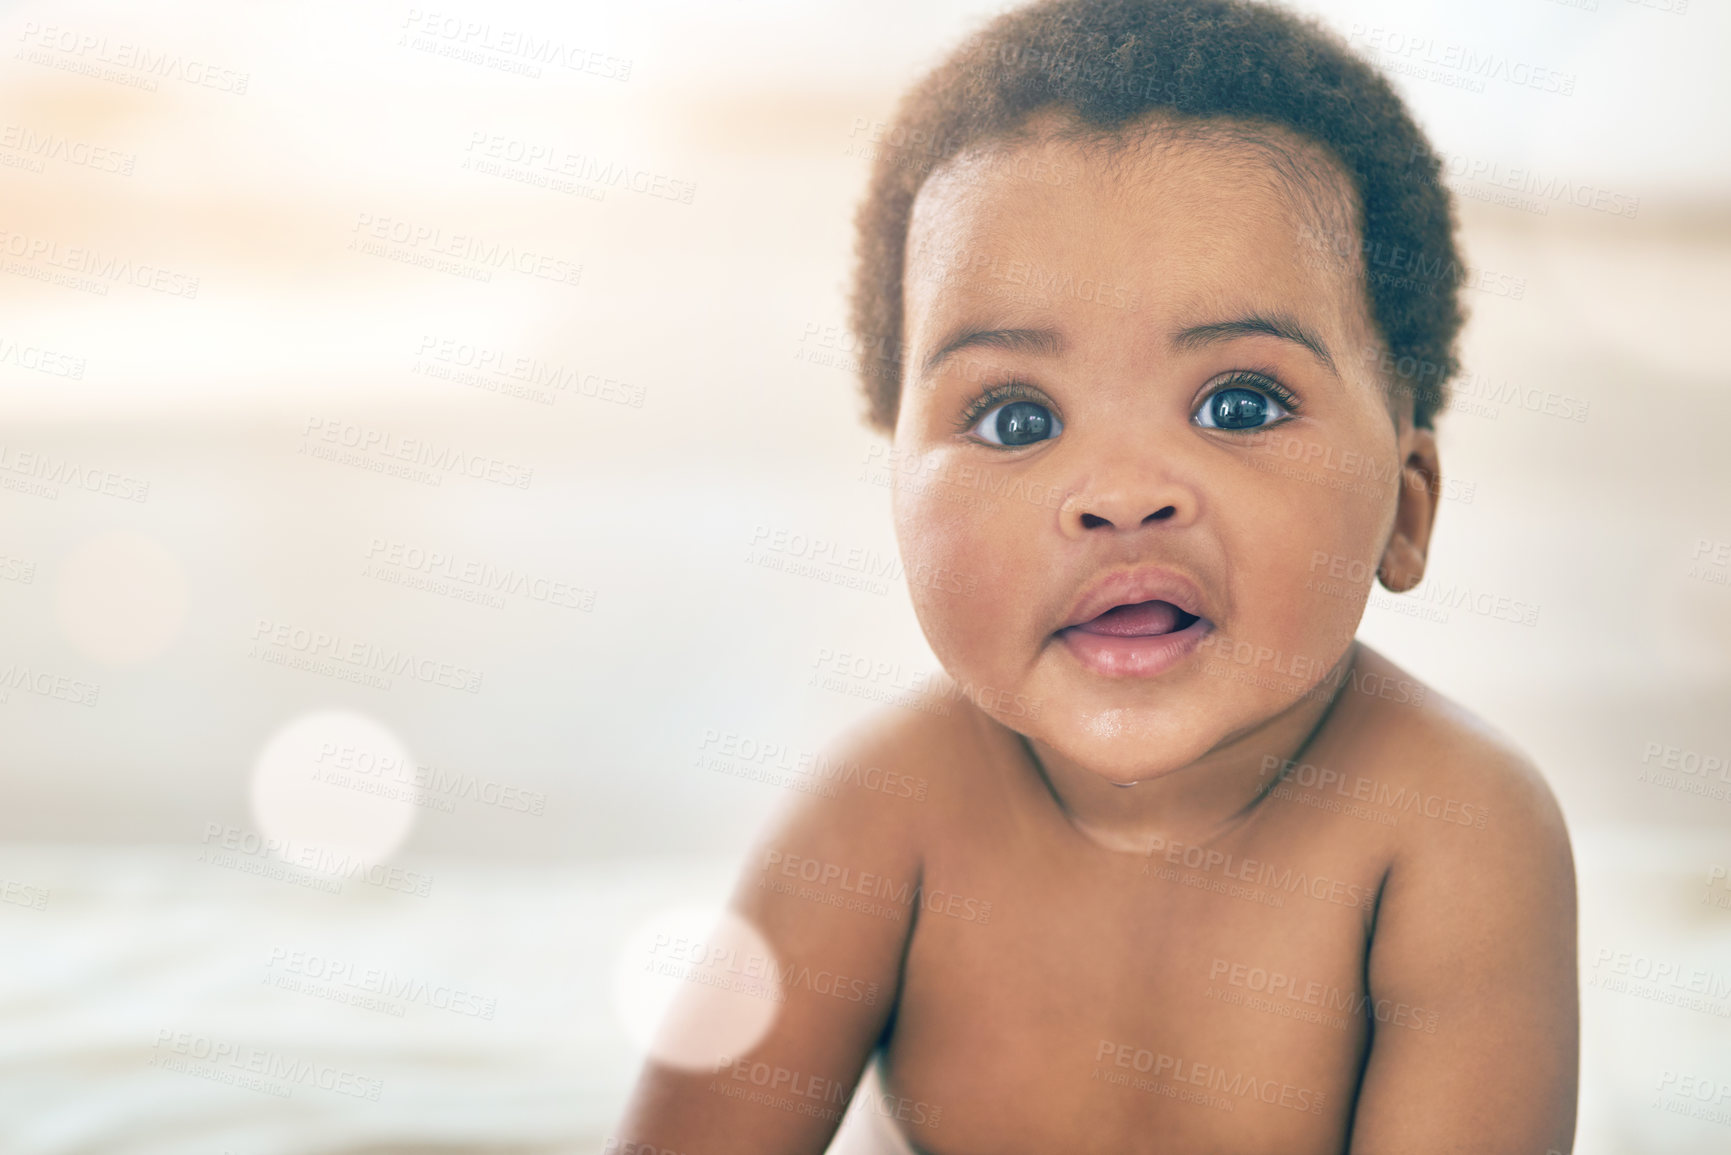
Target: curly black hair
1107,63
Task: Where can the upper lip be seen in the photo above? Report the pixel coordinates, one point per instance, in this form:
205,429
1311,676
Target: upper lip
1129,587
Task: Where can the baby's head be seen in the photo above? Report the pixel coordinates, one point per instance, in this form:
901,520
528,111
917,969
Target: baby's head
1128,264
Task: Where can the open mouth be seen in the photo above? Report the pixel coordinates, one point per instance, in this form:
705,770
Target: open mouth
1136,640
1151,619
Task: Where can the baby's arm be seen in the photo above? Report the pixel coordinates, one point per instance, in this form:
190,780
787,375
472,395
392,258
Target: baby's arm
840,969
1479,927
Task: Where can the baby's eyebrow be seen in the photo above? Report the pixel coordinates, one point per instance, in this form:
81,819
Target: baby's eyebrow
1015,340
1280,326
1050,341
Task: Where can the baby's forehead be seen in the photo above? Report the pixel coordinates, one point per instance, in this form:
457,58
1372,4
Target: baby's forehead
1168,216
1225,176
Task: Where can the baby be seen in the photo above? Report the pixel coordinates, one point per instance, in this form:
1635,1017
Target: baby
1165,293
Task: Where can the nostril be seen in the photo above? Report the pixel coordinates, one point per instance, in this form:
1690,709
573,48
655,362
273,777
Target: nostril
1095,521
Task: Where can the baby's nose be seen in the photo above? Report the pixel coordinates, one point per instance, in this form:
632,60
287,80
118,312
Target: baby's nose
1129,498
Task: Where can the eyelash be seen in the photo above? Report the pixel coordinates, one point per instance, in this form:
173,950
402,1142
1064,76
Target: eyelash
1261,381
996,396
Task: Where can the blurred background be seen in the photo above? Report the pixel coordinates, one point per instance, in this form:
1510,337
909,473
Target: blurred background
401,410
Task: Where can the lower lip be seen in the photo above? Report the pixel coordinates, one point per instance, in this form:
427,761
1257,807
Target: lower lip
1142,657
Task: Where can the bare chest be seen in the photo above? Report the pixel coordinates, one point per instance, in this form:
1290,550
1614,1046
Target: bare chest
1193,999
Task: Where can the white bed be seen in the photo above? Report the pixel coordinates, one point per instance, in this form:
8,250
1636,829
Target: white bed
141,962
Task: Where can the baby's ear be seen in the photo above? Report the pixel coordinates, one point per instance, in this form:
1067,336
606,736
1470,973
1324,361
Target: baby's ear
1403,558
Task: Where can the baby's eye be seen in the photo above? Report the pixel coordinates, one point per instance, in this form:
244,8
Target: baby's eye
1239,408
1018,423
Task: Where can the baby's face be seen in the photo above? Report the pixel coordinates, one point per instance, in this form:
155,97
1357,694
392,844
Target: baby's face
1140,434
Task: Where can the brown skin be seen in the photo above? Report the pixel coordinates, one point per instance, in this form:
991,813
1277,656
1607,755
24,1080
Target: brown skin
1125,830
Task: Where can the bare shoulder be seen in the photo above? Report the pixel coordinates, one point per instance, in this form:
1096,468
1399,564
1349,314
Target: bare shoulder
902,765
828,894
1476,926
872,799
1454,767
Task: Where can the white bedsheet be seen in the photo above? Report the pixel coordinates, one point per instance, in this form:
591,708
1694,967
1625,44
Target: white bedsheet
135,943
136,951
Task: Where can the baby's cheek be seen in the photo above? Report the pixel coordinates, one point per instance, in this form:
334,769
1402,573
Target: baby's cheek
966,573
1326,577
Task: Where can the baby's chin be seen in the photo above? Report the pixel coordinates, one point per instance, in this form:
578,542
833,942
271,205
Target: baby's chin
1122,745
